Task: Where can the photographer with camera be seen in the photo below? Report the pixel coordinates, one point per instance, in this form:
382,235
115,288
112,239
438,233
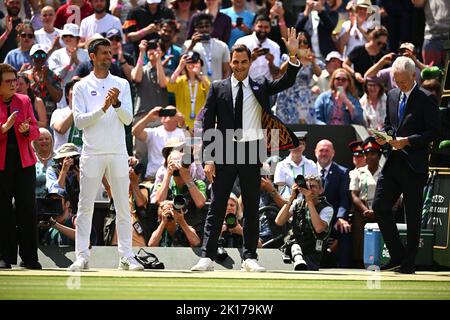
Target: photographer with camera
179,181
311,217
156,138
64,175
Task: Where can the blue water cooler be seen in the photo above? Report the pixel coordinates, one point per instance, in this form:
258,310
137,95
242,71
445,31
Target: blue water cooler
372,245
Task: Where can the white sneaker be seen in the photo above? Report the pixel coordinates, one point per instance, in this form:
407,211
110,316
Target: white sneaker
251,265
79,265
299,263
130,263
204,264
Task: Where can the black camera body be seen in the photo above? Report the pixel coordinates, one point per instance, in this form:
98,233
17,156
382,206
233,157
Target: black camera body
179,202
231,220
139,168
167,112
301,181
205,37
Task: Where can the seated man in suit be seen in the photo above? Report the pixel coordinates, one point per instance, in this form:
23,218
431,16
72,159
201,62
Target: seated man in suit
335,181
240,105
412,115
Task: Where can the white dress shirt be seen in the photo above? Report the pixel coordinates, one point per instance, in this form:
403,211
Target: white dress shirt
103,133
287,170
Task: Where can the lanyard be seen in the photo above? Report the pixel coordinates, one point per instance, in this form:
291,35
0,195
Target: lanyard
193,96
293,171
208,54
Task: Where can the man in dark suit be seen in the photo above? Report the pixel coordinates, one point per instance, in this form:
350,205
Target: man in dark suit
335,181
412,115
240,105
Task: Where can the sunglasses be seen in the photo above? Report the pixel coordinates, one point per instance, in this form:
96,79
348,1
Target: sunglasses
10,81
42,55
27,35
118,39
303,42
340,79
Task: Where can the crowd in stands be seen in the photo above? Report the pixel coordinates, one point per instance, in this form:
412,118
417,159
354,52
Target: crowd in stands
170,52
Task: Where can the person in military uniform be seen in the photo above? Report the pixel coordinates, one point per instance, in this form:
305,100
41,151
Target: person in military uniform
311,217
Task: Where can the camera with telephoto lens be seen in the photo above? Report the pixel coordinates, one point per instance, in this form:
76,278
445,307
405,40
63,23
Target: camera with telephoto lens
179,202
139,168
301,181
48,207
230,220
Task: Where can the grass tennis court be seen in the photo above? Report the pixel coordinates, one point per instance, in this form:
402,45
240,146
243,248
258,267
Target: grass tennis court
206,287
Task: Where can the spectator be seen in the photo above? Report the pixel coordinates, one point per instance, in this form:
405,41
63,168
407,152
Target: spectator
23,87
178,181
156,138
354,31
123,61
269,193
221,22
319,20
191,88
362,188
121,8
280,21
434,86
213,52
143,22
437,20
99,22
264,62
43,149
17,174
65,13
184,10
62,122
373,103
20,58
357,155
311,224
171,51
339,105
64,61
322,83
335,180
385,75
8,28
150,80
361,58
296,104
64,175
241,27
295,164
45,83
48,36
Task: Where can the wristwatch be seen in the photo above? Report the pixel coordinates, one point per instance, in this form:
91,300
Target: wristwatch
117,105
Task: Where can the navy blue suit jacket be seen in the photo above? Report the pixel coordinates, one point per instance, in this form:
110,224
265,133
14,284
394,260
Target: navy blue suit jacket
337,192
420,124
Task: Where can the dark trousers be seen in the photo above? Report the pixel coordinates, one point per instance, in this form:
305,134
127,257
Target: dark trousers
18,183
397,177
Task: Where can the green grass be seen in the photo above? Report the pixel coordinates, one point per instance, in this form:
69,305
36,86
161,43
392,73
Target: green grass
56,287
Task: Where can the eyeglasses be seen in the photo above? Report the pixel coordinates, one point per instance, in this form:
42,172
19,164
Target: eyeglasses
27,35
42,55
305,42
341,79
118,39
10,81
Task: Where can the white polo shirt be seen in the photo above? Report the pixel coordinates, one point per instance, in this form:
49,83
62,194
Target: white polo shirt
260,67
91,25
103,133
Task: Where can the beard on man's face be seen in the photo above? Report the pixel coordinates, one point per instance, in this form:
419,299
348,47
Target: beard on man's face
100,10
261,35
13,12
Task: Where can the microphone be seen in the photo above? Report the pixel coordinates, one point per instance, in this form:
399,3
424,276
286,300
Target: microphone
445,144
389,131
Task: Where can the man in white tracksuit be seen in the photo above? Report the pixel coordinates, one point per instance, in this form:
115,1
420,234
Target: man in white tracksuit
101,108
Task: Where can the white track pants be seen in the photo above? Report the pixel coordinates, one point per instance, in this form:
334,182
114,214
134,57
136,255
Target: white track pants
92,169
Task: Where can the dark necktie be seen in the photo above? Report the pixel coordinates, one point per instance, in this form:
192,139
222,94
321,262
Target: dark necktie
322,176
238,107
401,107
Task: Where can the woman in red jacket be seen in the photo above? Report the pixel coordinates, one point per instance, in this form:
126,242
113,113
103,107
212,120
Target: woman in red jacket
17,174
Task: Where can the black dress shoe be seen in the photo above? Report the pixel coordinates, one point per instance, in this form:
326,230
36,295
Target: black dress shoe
391,265
4,265
32,266
405,270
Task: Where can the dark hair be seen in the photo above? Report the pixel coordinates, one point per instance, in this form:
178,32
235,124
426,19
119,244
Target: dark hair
378,31
380,92
306,35
203,16
261,17
93,46
6,68
432,85
240,48
30,91
171,23
193,6
69,86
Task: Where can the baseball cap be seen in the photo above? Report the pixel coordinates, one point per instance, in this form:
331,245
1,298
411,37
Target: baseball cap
113,33
70,29
407,45
153,1
334,54
194,57
37,47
